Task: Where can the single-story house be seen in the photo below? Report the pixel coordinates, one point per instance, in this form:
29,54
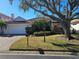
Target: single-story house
17,25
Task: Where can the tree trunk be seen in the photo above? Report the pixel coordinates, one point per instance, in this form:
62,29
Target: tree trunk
44,34
27,40
67,31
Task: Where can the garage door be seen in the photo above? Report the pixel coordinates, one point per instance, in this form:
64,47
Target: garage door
15,29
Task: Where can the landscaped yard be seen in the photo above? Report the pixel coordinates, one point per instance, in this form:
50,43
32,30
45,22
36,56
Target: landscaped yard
53,42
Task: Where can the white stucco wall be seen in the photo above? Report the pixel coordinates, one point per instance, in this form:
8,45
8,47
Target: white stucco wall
76,27
16,28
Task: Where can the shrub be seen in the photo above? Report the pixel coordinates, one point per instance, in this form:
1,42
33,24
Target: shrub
41,33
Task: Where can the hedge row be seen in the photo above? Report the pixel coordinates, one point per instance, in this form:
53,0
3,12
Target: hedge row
42,33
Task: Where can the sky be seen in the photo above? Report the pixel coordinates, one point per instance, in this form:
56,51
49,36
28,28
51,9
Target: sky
8,9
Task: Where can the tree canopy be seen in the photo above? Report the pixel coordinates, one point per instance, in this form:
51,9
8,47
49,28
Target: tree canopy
56,9
60,10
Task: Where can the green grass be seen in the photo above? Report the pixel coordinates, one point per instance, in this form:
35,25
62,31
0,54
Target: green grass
53,42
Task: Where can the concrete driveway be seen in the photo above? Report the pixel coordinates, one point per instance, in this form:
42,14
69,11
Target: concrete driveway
6,42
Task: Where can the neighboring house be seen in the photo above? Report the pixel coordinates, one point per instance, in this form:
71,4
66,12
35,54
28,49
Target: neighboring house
75,25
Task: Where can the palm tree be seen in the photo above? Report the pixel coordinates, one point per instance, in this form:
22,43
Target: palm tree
2,27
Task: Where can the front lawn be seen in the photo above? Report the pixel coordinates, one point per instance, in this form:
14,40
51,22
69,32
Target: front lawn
53,42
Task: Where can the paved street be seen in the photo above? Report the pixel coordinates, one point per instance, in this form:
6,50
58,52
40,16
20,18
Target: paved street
5,42
37,56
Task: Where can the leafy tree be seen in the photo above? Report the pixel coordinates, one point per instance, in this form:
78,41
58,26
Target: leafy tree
2,27
60,10
40,25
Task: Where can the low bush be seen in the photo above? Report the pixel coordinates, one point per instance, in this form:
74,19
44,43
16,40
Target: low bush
42,33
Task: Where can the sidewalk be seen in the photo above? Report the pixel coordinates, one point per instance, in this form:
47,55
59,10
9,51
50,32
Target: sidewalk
37,53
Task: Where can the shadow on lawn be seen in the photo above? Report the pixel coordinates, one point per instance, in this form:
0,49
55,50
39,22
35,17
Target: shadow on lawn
70,48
